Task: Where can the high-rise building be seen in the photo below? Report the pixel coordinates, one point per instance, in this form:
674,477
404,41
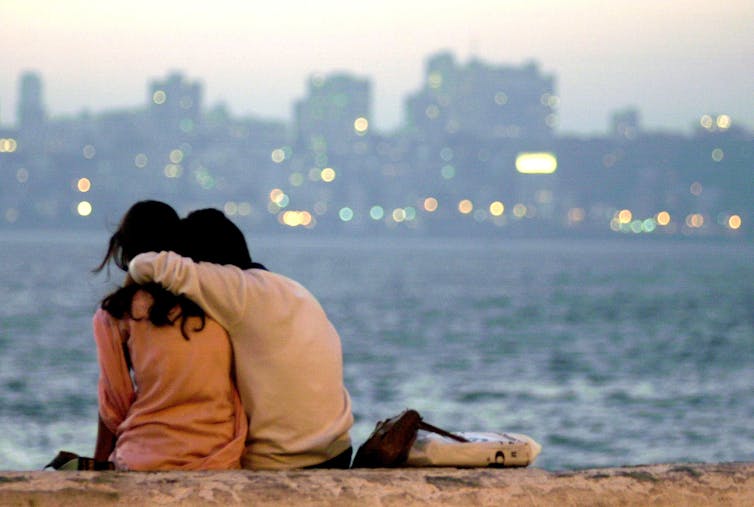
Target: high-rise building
336,112
31,112
483,101
175,104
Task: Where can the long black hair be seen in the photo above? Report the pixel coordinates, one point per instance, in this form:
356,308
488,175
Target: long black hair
148,226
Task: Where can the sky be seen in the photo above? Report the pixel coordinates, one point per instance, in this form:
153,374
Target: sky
674,60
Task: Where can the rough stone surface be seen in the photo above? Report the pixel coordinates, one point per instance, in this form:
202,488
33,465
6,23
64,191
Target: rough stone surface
729,484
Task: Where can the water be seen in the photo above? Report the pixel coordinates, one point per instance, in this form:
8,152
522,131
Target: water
608,353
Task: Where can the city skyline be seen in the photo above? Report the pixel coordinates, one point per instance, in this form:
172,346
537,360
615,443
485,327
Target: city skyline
674,62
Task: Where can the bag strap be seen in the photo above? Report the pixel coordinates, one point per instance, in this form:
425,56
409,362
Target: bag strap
66,460
434,429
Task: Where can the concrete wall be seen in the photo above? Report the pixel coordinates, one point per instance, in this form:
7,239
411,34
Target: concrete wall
729,484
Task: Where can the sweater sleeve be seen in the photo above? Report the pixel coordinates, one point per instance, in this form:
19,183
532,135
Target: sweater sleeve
221,291
115,389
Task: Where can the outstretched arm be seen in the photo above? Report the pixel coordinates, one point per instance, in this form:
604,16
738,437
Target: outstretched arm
220,290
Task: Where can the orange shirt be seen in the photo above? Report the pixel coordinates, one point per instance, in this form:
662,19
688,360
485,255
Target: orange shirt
181,410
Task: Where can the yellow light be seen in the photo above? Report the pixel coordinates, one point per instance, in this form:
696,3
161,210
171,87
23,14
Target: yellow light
8,145
84,185
706,121
159,97
84,208
663,218
536,163
723,122
361,125
734,222
497,208
625,216
327,174
399,215
430,204
296,218
465,206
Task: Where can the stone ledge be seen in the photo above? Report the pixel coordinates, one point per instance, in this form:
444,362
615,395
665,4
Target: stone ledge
667,484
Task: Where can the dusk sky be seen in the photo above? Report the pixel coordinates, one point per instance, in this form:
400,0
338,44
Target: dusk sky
674,60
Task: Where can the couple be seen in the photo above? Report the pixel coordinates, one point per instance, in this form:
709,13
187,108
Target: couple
209,361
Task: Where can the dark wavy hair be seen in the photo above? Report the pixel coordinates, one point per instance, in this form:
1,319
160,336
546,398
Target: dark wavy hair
148,226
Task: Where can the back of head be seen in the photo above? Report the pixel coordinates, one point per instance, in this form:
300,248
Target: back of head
207,235
147,226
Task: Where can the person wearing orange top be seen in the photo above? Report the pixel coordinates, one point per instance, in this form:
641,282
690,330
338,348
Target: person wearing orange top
167,400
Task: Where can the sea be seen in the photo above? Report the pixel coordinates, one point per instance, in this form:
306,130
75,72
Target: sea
607,352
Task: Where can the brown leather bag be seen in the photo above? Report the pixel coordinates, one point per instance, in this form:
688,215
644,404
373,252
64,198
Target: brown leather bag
391,441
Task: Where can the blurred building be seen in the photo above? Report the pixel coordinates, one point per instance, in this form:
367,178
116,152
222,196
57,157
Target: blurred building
175,104
31,111
483,101
334,114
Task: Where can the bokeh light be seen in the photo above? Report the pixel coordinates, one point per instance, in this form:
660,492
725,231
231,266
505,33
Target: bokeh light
361,125
430,204
663,218
346,214
159,97
84,208
141,160
465,206
176,156
536,163
88,151
84,185
278,155
328,174
377,212
519,210
8,145
497,208
624,216
734,222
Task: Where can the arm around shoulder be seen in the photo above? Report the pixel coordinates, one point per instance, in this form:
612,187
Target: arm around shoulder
220,290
